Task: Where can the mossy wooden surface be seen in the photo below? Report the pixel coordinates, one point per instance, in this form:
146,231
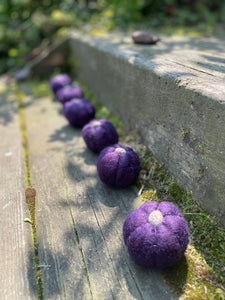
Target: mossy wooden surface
16,259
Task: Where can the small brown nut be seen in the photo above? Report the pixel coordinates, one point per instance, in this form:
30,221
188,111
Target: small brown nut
144,37
30,192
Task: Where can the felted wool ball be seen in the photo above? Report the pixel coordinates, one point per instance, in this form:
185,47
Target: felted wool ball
156,235
59,81
118,166
99,134
69,92
79,111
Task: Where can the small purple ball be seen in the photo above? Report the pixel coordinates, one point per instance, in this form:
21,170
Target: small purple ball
79,111
118,166
59,81
99,134
156,235
69,92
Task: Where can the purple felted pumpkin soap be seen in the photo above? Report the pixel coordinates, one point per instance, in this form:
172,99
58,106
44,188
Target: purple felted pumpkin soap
156,235
99,134
59,81
69,92
118,166
79,111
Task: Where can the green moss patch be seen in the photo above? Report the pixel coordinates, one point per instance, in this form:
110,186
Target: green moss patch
40,89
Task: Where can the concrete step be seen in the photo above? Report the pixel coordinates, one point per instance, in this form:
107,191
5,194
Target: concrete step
174,92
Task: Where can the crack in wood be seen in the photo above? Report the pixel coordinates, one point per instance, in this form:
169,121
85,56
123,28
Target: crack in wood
78,240
30,192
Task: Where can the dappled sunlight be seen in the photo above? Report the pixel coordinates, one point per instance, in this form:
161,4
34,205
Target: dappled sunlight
79,218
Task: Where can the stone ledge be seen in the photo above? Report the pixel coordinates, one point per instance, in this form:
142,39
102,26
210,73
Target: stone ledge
174,92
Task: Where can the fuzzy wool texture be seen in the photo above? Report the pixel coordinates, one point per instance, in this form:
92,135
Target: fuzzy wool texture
69,92
79,112
99,134
59,81
159,246
118,169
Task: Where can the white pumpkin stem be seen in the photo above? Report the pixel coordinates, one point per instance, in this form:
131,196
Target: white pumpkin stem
155,218
95,124
120,150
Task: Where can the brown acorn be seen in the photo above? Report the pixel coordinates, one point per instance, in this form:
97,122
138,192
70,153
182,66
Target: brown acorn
144,37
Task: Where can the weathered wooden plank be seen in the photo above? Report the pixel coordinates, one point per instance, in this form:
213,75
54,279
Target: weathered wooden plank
60,257
16,262
99,222
63,167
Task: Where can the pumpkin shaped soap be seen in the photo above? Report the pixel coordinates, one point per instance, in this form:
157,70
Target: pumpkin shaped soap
118,166
79,111
69,92
99,134
156,235
59,81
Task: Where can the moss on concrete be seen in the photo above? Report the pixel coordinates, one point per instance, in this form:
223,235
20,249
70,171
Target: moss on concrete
185,134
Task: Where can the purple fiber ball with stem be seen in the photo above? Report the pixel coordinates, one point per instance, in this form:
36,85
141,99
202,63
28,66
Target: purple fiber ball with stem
79,111
59,81
156,235
118,166
99,134
69,92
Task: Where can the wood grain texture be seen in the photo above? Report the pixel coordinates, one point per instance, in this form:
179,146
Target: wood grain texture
78,216
58,246
16,253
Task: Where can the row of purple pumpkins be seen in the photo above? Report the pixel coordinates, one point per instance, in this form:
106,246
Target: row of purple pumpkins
156,234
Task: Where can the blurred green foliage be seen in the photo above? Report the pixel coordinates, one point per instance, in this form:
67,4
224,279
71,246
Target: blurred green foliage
25,24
